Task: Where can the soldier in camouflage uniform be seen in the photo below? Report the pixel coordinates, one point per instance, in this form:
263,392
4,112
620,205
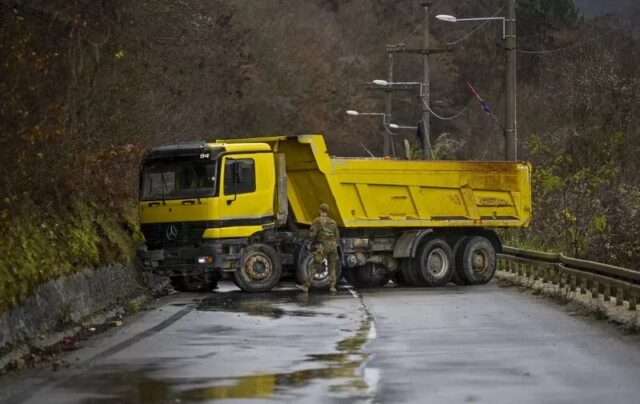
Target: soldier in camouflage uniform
324,231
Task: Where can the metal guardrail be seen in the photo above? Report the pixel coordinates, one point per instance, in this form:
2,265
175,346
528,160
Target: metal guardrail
573,274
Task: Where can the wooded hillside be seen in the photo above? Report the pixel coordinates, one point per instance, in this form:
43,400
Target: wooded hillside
88,86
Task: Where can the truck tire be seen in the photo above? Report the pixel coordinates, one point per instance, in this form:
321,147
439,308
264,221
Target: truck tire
187,284
261,269
478,261
458,250
434,265
408,272
398,278
366,276
321,280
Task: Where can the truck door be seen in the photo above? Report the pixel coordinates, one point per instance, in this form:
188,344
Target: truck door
246,194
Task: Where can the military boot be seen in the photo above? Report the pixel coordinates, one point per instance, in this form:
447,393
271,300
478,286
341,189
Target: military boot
333,290
303,288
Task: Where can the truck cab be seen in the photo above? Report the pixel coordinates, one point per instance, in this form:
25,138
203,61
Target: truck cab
200,200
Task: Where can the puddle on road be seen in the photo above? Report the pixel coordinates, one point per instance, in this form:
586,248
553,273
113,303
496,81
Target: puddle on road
343,370
267,304
343,366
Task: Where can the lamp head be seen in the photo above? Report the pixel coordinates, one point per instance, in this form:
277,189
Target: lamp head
447,18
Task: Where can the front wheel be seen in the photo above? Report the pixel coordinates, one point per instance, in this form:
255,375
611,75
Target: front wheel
260,270
188,283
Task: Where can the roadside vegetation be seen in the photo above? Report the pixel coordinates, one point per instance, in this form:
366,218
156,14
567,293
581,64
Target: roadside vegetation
87,87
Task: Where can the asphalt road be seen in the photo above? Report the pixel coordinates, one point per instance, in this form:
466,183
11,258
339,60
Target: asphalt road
448,345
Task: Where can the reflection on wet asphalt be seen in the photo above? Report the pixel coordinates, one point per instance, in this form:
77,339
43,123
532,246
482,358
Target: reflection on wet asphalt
275,346
273,304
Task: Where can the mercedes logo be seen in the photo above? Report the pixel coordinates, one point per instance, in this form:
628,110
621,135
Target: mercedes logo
171,232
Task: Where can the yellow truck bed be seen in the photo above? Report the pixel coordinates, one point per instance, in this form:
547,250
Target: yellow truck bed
375,192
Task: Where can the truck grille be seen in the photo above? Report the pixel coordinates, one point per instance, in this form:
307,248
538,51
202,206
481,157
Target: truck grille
174,234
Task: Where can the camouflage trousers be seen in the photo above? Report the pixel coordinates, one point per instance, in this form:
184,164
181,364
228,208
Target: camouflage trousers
331,254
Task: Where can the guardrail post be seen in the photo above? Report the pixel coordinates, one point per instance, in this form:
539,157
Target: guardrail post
556,275
583,286
633,300
564,278
607,292
574,282
595,285
619,296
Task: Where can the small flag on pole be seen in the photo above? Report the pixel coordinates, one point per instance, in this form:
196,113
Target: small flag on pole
483,104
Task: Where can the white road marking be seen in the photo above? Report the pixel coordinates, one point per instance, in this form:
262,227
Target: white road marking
371,377
372,332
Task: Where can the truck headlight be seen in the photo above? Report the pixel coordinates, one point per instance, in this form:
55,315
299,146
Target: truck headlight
208,259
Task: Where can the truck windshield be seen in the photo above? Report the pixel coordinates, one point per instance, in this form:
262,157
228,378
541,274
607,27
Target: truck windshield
178,178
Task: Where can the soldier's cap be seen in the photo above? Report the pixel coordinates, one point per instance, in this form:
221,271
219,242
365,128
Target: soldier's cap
324,207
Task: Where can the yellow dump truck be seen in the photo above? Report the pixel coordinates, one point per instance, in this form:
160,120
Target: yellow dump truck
240,208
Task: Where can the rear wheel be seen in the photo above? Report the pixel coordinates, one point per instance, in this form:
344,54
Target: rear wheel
458,251
478,263
367,276
261,269
408,274
435,263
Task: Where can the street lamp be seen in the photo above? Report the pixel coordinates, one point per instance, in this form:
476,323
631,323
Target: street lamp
384,120
356,113
450,18
509,35
396,126
384,83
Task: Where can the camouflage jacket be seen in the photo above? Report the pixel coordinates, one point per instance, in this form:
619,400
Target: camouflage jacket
325,231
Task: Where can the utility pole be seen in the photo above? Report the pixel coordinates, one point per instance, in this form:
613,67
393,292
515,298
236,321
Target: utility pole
510,125
424,51
426,114
389,146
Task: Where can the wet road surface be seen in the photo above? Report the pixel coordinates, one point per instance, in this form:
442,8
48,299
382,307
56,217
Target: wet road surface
444,345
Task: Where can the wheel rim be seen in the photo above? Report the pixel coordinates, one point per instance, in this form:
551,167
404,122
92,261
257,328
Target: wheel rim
324,273
437,263
258,267
480,261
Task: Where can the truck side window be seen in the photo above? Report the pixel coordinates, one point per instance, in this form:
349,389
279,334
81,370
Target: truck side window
239,177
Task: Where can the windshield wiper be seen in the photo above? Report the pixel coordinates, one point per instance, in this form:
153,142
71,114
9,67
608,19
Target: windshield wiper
164,187
195,174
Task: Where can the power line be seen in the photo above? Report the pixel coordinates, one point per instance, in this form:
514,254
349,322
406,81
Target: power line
577,45
410,34
443,118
